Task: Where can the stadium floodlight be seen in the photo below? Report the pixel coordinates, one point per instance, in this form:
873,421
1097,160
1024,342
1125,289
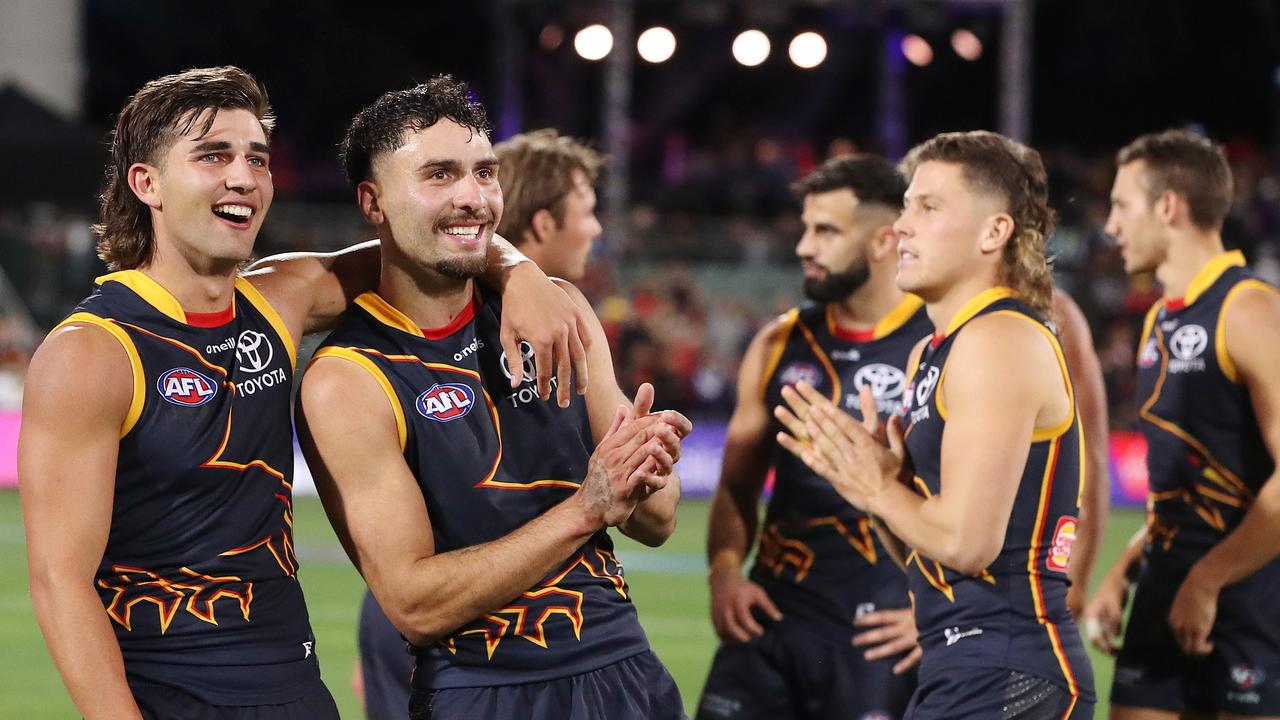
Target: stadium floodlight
966,44
807,50
593,42
657,44
551,37
751,47
917,50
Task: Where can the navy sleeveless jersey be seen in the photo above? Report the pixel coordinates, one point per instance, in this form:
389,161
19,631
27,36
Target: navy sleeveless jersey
1012,615
199,573
820,560
488,460
1206,456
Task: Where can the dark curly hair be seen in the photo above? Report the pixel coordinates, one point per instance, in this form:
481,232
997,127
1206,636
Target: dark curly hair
162,111
997,165
871,178
380,127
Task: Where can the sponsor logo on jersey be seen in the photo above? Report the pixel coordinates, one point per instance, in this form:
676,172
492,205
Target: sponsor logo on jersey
1064,536
253,351
865,608
886,382
1186,344
186,387
849,355
801,371
444,402
955,634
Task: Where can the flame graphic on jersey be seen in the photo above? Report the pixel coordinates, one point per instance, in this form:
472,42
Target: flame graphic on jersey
776,552
541,603
137,585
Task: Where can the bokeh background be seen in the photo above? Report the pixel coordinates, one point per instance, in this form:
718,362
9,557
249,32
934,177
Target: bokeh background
705,128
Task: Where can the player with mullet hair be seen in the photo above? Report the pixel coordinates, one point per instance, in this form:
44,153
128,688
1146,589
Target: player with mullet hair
155,460
1203,638
477,515
981,478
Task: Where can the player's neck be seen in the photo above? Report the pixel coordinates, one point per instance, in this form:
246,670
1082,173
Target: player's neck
1187,256
869,304
426,297
942,311
197,289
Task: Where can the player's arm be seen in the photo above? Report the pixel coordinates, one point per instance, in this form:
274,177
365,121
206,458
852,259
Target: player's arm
654,518
348,431
1105,611
1091,399
310,291
1252,332
735,507
66,471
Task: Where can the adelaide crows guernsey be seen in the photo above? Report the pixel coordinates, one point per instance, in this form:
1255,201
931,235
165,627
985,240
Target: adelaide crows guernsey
820,560
199,573
488,460
1012,615
1206,456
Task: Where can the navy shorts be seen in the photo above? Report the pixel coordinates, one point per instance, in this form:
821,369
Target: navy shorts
638,688
994,694
162,702
385,663
795,672
1242,674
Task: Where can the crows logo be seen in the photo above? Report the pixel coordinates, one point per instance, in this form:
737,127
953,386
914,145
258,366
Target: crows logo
186,387
445,402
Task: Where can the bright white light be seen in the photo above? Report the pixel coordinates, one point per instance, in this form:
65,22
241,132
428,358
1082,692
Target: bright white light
917,50
593,42
807,50
656,44
751,47
966,44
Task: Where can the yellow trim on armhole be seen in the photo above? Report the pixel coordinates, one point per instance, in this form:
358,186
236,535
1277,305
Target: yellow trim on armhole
1220,331
1053,431
372,368
135,362
256,298
777,346
149,290
1147,323
386,313
1210,273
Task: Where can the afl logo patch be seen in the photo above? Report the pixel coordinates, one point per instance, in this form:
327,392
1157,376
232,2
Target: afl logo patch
186,387
796,372
446,402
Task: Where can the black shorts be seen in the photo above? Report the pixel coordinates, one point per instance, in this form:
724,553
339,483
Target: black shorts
994,694
385,663
638,688
792,672
1242,674
162,702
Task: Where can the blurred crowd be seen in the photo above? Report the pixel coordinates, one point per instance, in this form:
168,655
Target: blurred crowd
702,260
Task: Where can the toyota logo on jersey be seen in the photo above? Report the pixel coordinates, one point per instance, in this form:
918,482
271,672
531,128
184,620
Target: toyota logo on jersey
186,387
446,402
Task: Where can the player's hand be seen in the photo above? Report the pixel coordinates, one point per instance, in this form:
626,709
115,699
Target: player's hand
1194,609
1076,600
537,311
885,633
837,447
733,597
357,681
637,451
1104,613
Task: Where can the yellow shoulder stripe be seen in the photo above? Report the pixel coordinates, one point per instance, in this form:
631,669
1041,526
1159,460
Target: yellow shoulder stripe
1220,332
776,347
372,368
135,362
1053,431
149,290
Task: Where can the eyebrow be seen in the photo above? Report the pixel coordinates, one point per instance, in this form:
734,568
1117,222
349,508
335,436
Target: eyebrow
218,145
451,164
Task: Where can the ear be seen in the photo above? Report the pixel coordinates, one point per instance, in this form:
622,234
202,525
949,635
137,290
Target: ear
996,232
368,198
882,244
1168,206
144,181
542,225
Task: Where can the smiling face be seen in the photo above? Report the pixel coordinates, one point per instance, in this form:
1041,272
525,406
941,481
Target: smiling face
833,249
1133,222
210,193
940,231
437,198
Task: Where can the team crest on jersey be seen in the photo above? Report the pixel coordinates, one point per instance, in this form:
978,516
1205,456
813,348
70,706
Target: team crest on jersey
925,388
186,387
1247,678
798,371
1064,536
443,402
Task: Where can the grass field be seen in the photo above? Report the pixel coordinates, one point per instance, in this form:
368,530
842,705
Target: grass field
668,587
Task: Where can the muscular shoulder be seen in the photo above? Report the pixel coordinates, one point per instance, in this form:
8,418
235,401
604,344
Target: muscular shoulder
1006,342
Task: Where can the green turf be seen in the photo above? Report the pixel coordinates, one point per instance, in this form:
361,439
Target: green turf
668,586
